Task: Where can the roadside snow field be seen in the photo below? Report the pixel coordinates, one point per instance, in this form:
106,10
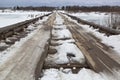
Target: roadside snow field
9,18
96,17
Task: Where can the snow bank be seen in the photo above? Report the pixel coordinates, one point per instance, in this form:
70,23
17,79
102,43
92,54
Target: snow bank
113,40
62,57
66,74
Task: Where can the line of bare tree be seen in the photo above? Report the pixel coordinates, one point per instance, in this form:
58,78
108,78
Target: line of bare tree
72,8
92,8
113,20
42,8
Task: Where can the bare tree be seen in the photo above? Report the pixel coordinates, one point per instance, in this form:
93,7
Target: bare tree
113,21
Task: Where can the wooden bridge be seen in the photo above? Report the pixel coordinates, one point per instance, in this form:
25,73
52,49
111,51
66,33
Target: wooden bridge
28,62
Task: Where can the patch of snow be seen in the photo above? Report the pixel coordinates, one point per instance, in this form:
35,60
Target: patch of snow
58,20
41,20
63,41
60,11
59,27
64,33
63,50
3,44
66,74
31,27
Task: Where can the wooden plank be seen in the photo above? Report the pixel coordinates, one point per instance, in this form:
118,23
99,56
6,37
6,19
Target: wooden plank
69,65
97,55
94,52
23,64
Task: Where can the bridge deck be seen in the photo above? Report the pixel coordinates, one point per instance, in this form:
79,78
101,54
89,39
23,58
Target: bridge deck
95,52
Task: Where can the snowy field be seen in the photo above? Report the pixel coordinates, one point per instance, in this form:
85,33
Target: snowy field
96,17
11,17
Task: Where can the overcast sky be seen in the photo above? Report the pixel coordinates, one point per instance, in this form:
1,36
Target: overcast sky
11,3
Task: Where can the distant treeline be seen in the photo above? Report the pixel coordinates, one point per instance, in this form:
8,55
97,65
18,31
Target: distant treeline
72,8
92,8
42,8
2,8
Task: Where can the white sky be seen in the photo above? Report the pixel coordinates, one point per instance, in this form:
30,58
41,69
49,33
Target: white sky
57,2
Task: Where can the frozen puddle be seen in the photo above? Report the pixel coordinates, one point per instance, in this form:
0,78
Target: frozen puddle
64,44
